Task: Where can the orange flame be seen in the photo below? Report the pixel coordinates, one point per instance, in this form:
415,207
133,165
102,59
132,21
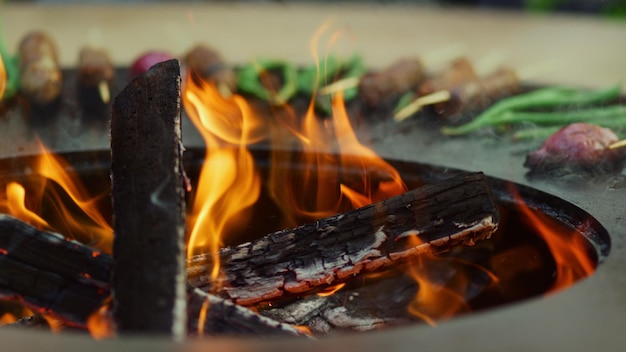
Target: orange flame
7,318
86,225
338,173
228,184
331,290
570,250
100,323
3,78
435,300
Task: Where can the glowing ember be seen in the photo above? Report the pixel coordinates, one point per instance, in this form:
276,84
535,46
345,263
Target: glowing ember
100,323
331,290
7,318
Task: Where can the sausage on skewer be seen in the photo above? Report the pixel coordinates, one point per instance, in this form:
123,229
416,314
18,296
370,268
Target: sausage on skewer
41,79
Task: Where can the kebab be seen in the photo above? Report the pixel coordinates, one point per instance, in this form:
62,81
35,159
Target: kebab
205,63
95,76
41,79
379,87
460,90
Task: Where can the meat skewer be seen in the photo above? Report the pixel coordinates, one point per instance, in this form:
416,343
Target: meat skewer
399,77
207,64
451,98
40,74
376,87
95,76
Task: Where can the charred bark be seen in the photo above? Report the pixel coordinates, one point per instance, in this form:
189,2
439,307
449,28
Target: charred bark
51,273
71,281
330,251
148,196
212,315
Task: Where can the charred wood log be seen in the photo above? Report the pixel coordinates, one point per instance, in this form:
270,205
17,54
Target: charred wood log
49,272
70,281
148,196
213,315
333,250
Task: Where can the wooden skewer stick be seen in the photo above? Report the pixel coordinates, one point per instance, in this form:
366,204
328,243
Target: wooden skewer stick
618,144
442,96
105,93
340,85
433,98
438,56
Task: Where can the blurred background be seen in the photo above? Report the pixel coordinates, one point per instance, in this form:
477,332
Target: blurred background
610,8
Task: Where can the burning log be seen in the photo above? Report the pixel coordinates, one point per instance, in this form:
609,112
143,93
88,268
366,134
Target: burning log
70,280
148,195
330,251
210,314
48,272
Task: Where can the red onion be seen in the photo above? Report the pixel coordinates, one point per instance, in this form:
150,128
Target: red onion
580,147
143,63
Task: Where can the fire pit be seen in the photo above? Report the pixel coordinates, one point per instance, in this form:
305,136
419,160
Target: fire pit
555,314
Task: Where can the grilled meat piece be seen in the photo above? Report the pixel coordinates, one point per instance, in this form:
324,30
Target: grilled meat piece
479,94
460,72
207,64
94,67
378,87
41,79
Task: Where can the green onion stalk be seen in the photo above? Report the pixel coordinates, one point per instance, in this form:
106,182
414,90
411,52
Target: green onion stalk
330,70
249,80
506,111
12,71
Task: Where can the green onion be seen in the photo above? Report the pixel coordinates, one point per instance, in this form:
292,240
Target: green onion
249,80
541,98
12,71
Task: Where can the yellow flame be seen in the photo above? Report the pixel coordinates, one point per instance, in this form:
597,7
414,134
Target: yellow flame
76,212
228,183
203,315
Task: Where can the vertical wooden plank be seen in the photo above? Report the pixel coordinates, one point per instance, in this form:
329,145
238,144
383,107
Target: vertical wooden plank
148,204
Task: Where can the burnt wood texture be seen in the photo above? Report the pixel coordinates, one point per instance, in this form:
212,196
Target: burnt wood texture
50,273
288,263
454,211
148,196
